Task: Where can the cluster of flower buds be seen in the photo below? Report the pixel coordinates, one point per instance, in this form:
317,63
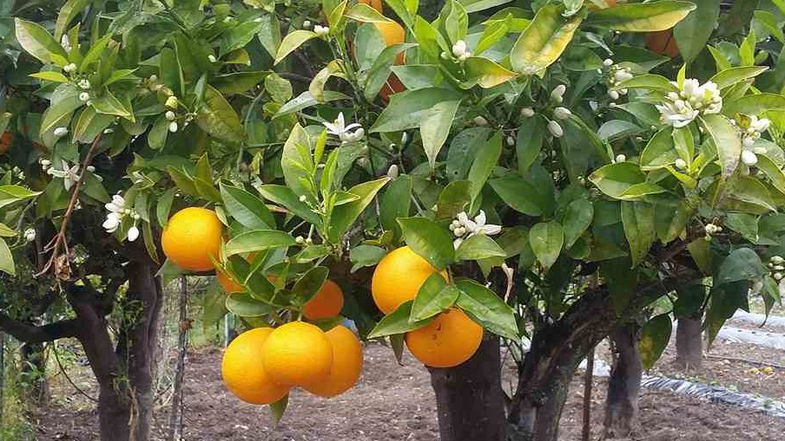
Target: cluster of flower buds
463,227
692,100
321,30
751,128
117,211
616,75
712,229
460,50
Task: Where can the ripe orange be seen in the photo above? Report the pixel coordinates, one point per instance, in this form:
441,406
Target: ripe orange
242,369
227,284
398,277
391,87
191,237
375,4
449,340
5,141
327,303
297,354
663,43
346,367
392,33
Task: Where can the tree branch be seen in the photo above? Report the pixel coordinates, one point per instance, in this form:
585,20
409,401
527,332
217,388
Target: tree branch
38,334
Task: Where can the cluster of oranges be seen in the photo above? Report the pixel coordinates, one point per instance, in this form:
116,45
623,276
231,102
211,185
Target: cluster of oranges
261,365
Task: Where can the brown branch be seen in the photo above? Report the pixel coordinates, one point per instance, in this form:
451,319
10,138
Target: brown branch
60,241
38,334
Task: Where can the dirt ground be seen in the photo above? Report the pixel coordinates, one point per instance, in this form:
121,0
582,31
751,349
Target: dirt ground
392,403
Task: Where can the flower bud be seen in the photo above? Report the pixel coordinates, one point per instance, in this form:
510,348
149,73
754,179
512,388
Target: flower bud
527,112
555,129
212,58
172,102
170,115
562,113
392,172
749,158
680,164
173,126
480,121
60,131
621,157
608,62
84,96
133,233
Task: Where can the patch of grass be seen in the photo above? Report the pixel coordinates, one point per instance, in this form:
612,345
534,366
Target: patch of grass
14,425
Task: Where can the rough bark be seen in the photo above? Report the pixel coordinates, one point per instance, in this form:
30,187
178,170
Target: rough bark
469,397
176,414
689,343
621,405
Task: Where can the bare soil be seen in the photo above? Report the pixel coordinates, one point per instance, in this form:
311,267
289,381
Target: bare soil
392,403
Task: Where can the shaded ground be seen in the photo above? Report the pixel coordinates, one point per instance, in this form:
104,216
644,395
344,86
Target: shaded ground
392,403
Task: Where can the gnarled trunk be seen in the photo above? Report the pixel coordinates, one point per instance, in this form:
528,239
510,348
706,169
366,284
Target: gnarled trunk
621,405
469,397
689,343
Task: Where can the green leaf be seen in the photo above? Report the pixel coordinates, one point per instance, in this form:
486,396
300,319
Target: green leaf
485,72
291,42
397,322
774,173
544,40
238,82
305,100
734,75
431,109
68,12
395,202
244,305
660,151
60,109
641,17
433,297
213,307
479,247
755,104
91,124
217,117
615,179
239,36
519,194
270,33
364,13
164,206
283,195
278,409
453,199
694,31
246,208
547,239
343,216
638,221
648,82
50,75
429,240
309,284
366,255
726,141
577,218
6,259
741,264
487,309
531,134
37,41
484,163
258,240
654,339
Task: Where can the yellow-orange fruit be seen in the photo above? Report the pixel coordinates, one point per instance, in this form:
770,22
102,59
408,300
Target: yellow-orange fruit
192,235
375,4
347,364
5,141
663,43
398,277
449,340
297,354
242,369
227,284
327,303
392,33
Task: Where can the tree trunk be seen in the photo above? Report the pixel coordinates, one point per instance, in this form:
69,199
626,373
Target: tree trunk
621,405
469,397
176,414
144,289
689,343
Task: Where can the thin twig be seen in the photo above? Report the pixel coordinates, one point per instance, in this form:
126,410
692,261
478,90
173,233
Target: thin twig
59,241
745,360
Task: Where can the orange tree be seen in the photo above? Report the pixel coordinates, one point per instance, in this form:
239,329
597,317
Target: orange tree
540,180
